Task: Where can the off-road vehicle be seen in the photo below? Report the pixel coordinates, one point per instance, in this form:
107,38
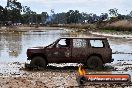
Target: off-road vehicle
93,52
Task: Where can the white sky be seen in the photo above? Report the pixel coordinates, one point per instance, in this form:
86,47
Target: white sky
89,6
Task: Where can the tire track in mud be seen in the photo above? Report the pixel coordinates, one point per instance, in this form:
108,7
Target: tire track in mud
55,76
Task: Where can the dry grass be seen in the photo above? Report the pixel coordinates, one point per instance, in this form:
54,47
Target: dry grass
123,25
77,26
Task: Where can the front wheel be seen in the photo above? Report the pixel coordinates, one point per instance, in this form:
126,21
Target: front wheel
94,62
38,61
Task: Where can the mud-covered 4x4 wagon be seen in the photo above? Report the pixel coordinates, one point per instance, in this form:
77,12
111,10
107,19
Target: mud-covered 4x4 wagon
93,52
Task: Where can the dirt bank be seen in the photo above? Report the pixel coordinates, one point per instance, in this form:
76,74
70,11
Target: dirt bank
116,35
26,29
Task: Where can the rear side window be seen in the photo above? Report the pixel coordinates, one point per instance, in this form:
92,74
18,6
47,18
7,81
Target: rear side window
96,43
79,43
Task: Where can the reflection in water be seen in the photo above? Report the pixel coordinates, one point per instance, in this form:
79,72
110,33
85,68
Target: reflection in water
13,46
10,45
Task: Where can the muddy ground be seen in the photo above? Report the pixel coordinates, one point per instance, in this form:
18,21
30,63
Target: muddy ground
17,76
14,74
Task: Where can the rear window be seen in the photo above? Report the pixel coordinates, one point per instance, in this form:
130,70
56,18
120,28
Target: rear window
96,43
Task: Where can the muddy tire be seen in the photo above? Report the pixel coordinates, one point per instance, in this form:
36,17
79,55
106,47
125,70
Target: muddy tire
38,62
94,62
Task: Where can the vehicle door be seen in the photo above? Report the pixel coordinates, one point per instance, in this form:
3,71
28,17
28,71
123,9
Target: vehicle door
61,53
79,50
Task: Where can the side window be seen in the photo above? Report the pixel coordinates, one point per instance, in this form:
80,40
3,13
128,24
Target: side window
96,43
63,43
79,43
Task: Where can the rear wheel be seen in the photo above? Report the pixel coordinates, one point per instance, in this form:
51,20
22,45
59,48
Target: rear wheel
94,62
38,61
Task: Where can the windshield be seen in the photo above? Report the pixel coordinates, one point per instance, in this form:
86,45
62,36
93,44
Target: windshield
52,44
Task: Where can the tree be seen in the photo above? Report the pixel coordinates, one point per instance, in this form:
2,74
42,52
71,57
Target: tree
130,14
103,16
92,18
44,16
113,12
30,16
13,4
13,10
26,10
83,18
1,14
77,16
73,16
121,17
60,18
69,16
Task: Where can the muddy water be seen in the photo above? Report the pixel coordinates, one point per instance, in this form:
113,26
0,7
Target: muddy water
13,48
123,46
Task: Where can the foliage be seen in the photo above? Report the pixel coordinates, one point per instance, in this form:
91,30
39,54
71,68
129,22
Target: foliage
16,13
113,12
73,16
2,17
44,16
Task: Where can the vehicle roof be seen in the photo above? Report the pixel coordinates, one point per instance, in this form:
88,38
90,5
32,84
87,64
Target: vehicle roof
84,38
